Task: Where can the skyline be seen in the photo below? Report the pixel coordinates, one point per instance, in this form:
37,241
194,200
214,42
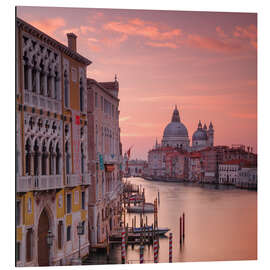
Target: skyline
163,59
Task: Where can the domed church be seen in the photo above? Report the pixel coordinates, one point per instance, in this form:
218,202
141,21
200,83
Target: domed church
176,135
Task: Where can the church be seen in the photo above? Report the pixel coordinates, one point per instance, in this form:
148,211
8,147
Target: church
170,158
176,135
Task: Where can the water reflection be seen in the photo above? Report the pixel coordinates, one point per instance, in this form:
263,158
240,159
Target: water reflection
221,223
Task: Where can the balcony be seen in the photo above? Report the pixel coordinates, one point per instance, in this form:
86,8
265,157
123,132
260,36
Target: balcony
73,180
38,183
42,102
86,179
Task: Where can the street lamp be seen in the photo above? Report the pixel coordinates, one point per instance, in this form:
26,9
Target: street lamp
50,243
80,231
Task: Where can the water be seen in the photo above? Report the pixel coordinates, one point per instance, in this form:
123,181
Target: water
221,223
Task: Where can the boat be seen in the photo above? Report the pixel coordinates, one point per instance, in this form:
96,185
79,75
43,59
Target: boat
159,231
141,208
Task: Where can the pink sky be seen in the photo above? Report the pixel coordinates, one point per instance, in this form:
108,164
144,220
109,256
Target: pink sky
204,62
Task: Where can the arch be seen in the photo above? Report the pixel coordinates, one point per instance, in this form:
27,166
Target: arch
44,225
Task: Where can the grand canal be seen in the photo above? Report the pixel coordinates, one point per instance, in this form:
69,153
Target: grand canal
221,223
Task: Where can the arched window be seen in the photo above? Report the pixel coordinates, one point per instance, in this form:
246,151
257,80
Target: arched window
25,71
44,159
56,90
34,79
66,92
82,159
51,159
81,96
29,244
67,156
58,157
36,158
28,157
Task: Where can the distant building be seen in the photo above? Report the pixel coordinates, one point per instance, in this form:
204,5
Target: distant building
247,178
136,168
195,168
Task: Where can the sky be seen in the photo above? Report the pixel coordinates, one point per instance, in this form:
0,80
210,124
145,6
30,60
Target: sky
203,62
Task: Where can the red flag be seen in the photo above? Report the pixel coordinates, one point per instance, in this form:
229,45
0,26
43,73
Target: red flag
128,153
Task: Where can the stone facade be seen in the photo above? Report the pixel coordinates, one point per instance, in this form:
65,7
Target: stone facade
51,141
105,158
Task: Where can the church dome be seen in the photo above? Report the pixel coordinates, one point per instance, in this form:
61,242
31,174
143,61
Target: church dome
200,133
176,128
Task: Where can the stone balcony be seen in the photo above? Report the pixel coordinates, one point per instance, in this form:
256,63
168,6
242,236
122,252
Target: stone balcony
42,102
74,180
39,182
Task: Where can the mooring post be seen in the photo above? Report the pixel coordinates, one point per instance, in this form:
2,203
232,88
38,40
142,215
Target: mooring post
180,230
141,253
123,246
155,251
170,248
183,226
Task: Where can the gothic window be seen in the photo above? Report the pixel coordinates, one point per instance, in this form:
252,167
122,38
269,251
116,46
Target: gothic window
36,158
34,78
83,200
49,86
42,77
18,213
25,71
82,159
51,159
18,251
28,157
68,233
44,159
81,96
58,156
66,92
68,203
67,155
56,90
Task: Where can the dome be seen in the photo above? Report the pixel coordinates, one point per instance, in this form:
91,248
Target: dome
199,134
175,129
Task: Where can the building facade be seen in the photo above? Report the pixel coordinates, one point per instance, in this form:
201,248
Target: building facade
52,178
105,160
136,168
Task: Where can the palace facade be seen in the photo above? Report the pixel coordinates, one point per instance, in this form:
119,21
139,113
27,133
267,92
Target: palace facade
52,175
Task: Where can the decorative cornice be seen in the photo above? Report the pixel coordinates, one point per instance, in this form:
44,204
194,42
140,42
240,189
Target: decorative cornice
52,42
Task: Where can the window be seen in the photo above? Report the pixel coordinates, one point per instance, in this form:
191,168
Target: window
29,205
96,100
18,213
34,87
59,234
66,92
68,233
68,203
83,200
101,103
49,86
56,90
25,71
18,251
81,96
29,240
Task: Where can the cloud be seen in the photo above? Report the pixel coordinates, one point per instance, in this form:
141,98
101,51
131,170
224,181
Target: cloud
212,44
220,32
124,118
247,33
138,27
80,31
163,45
113,42
50,25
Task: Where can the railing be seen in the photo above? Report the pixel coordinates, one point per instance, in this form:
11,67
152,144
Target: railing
73,180
41,102
86,179
40,182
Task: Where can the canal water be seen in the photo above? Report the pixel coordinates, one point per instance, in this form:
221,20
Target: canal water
221,223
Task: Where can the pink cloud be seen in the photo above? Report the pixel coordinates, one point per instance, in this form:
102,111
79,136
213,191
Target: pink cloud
247,33
213,44
137,27
220,32
113,42
163,45
49,26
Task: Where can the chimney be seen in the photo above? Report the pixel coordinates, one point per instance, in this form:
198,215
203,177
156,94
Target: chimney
72,44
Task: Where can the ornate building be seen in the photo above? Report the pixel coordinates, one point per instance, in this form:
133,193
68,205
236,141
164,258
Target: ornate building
203,138
52,177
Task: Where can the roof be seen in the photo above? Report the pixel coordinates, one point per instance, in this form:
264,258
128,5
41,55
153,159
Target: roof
101,85
239,162
52,42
